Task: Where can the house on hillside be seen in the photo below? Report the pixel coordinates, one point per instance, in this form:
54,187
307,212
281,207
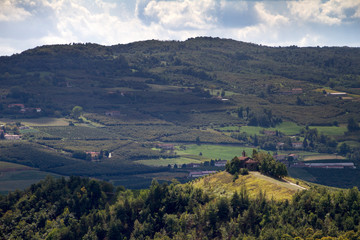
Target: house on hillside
22,106
280,157
293,156
93,155
165,146
247,162
338,94
193,165
200,174
251,165
113,113
296,91
12,137
220,163
269,133
297,145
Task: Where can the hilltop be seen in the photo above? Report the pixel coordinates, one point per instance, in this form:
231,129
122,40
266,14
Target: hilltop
80,208
223,184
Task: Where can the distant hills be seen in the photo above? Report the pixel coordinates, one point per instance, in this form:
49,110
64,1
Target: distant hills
199,91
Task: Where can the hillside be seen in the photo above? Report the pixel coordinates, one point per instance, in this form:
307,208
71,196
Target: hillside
223,184
80,208
155,105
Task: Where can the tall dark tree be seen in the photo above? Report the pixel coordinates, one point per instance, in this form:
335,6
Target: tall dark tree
352,125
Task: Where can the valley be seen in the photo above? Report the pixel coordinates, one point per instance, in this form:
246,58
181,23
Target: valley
129,113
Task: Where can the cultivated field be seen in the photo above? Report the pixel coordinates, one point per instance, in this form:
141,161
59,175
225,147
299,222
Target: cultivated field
15,176
166,161
321,157
38,122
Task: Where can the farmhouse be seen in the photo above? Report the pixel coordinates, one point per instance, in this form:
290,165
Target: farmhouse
280,157
166,146
12,137
293,156
269,133
16,105
93,155
296,91
280,145
297,145
338,94
193,165
200,174
113,113
340,165
220,163
248,162
251,165
331,165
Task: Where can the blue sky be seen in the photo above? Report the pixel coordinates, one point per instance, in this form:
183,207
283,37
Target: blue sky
26,24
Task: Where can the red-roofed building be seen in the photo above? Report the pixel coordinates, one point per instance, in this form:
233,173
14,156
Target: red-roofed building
16,105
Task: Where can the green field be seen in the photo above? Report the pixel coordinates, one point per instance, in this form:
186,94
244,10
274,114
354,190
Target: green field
288,128
38,122
330,130
208,151
353,144
322,157
166,161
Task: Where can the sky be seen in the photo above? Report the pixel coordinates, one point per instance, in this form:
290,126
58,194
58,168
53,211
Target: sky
26,24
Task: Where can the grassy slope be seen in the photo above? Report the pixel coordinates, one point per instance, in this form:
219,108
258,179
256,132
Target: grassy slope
222,184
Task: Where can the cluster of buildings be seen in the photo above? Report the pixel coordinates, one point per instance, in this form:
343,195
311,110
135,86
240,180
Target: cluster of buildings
10,136
293,91
24,109
342,165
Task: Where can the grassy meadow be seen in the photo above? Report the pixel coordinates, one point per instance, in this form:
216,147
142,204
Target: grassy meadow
209,151
222,184
330,130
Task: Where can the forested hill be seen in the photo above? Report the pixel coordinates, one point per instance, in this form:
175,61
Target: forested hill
47,75
78,208
203,58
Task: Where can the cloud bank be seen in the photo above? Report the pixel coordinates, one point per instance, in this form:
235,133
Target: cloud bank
29,23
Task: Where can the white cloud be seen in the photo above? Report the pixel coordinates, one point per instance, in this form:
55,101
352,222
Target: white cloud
183,14
9,12
332,12
268,18
309,40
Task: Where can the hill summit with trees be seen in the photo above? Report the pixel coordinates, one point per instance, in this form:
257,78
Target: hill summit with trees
78,208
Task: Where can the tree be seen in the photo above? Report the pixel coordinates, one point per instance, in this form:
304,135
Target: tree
240,112
2,135
352,125
198,140
344,149
76,112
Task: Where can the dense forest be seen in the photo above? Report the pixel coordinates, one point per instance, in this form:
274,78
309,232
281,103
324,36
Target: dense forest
81,208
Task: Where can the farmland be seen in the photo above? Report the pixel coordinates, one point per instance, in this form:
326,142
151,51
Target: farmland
38,122
15,176
136,96
214,151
